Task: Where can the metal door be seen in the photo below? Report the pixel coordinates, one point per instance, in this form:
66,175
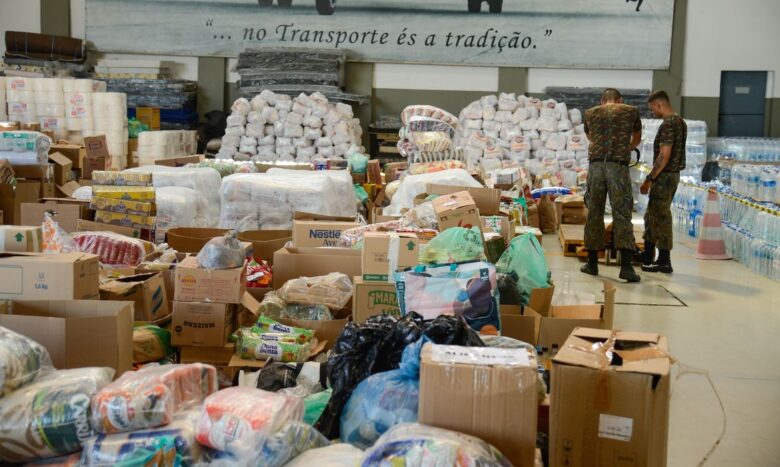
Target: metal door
742,103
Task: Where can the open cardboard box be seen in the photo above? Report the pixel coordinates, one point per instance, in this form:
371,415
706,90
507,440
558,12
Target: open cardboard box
292,263
146,290
66,212
553,327
487,200
77,333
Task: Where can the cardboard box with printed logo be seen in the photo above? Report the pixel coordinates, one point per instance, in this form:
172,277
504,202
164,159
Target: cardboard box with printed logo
196,284
25,239
456,210
383,251
374,298
35,276
312,230
146,291
202,324
500,409
609,399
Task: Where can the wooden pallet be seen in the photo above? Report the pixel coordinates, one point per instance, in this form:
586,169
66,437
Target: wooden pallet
572,239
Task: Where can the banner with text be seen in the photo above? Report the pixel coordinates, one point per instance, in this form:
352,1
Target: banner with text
629,34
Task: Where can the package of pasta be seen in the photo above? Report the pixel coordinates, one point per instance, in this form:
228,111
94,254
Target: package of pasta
266,324
174,444
151,396
49,417
21,360
333,290
113,249
130,193
261,346
239,420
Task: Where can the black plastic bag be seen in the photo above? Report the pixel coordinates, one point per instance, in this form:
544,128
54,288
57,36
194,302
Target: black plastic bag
507,289
407,330
451,330
276,376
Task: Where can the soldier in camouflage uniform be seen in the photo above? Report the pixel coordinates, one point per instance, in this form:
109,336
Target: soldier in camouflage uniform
661,183
614,130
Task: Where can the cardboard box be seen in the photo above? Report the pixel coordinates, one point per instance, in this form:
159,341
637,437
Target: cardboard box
31,276
552,326
75,152
500,409
218,357
180,161
39,172
11,199
67,190
374,298
266,242
25,239
487,200
501,225
379,261
456,210
63,168
146,291
149,116
78,333
191,239
202,324
66,215
168,275
195,284
312,231
610,415
292,263
97,157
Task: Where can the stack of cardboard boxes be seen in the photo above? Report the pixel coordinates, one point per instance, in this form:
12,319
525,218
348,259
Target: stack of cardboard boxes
571,209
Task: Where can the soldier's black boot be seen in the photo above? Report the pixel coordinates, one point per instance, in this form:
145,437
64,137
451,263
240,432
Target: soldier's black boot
645,258
592,266
664,263
626,269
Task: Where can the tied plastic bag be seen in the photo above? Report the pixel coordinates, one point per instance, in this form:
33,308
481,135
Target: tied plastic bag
151,396
170,445
55,239
333,290
50,416
239,420
222,253
358,163
335,455
469,290
21,360
383,400
524,262
454,245
414,445
274,307
150,343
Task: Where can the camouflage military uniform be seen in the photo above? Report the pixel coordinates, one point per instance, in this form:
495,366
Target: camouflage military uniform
609,128
658,218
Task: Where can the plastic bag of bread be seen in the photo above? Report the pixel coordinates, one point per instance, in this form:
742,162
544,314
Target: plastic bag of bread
151,396
333,290
55,238
113,249
222,253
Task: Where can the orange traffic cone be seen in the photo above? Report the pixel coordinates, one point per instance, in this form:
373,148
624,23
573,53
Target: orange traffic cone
711,244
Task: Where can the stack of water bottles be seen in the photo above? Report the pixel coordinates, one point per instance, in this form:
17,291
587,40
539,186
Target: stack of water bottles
751,229
695,148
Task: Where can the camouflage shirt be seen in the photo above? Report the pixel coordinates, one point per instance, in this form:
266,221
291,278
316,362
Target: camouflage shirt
609,128
672,132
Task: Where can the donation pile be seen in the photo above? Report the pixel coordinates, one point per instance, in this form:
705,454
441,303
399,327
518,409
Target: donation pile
276,127
545,136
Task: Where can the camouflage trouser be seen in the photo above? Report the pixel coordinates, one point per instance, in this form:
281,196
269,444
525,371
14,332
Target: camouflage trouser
658,217
613,179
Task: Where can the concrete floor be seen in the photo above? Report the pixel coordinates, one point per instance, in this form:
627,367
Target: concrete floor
719,317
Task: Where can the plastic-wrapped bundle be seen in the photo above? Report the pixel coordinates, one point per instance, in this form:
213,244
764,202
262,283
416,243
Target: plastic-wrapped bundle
181,207
24,147
222,253
175,442
342,184
204,180
21,360
112,248
383,400
267,201
413,185
291,440
239,420
333,290
411,444
151,396
165,144
50,416
335,455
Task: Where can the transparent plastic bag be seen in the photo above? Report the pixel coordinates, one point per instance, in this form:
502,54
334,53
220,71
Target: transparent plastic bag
55,239
151,396
454,245
383,400
414,445
150,343
335,455
175,441
239,420
222,253
113,249
291,440
49,417
524,261
21,360
333,290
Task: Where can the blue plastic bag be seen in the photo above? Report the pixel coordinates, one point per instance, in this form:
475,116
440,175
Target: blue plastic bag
383,400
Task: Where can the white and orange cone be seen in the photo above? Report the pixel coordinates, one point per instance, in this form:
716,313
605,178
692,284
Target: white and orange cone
711,243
